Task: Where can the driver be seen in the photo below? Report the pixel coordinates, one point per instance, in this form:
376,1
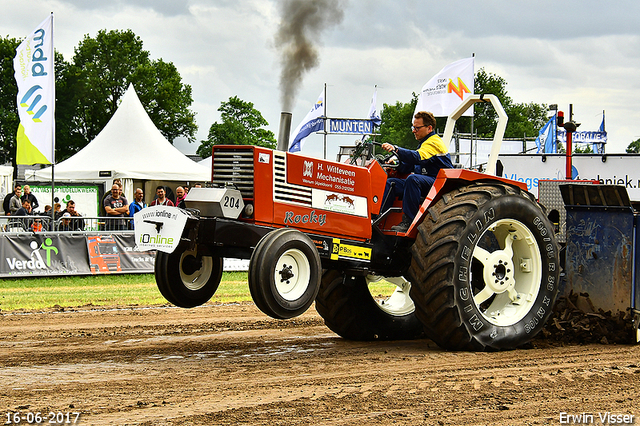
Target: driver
423,165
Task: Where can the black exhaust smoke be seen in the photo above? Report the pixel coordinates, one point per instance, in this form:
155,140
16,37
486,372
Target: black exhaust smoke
301,23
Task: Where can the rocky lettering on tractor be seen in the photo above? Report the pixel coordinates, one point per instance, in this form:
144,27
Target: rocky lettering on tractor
290,218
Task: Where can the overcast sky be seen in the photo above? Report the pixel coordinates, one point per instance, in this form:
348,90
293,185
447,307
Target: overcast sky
584,53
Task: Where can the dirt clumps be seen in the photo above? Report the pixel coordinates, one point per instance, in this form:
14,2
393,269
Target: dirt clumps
575,320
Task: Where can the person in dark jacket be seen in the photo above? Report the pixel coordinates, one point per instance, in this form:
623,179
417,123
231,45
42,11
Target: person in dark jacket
25,210
181,194
29,196
76,221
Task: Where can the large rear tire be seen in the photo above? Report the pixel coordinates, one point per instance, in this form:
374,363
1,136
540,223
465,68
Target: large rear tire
284,273
186,278
485,268
348,309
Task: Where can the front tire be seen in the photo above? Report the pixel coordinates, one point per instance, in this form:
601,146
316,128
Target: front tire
187,278
349,310
284,273
485,268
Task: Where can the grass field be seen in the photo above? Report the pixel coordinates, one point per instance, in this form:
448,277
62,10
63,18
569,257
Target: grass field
115,290
103,290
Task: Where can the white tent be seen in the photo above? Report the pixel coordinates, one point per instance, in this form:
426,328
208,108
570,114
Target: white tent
6,182
129,147
207,162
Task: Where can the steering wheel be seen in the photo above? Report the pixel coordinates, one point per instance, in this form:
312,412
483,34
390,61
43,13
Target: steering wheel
389,160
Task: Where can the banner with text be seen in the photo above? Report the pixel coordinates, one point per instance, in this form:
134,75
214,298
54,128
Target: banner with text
42,254
34,74
448,89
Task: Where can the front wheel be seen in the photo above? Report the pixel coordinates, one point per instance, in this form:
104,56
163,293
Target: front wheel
284,273
187,278
349,309
485,268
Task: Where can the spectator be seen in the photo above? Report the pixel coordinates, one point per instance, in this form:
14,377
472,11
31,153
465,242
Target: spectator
138,202
76,221
65,223
116,207
161,199
15,202
25,210
56,211
5,203
136,205
118,182
46,223
29,196
180,196
36,226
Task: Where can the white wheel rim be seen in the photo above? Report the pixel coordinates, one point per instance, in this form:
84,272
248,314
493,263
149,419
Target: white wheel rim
292,274
511,274
199,278
399,303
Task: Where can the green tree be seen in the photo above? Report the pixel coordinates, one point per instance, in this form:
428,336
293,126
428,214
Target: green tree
524,119
98,76
69,139
396,123
241,124
634,147
8,103
583,149
485,117
166,99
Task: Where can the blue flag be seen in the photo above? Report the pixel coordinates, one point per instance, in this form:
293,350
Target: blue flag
546,139
313,122
373,110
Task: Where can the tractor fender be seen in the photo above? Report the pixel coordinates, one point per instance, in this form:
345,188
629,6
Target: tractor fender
448,180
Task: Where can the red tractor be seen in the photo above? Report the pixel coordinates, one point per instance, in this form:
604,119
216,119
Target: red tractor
477,270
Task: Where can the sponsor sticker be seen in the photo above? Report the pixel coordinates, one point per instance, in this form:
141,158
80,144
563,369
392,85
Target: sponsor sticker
159,228
350,251
339,202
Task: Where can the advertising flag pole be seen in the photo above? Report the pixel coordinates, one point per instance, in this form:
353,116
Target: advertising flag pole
324,102
53,129
473,114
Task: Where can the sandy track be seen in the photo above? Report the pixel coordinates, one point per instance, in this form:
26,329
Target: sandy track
228,365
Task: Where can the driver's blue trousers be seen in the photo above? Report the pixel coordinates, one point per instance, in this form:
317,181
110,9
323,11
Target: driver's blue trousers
410,190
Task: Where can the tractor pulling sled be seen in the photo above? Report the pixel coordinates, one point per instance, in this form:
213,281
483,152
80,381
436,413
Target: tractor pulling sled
478,269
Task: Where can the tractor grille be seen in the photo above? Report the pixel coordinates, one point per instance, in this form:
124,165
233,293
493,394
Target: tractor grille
234,166
286,192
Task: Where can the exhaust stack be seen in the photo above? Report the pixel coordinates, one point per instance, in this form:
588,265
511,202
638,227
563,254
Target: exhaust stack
284,131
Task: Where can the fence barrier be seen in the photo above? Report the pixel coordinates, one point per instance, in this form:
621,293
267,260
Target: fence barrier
37,246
